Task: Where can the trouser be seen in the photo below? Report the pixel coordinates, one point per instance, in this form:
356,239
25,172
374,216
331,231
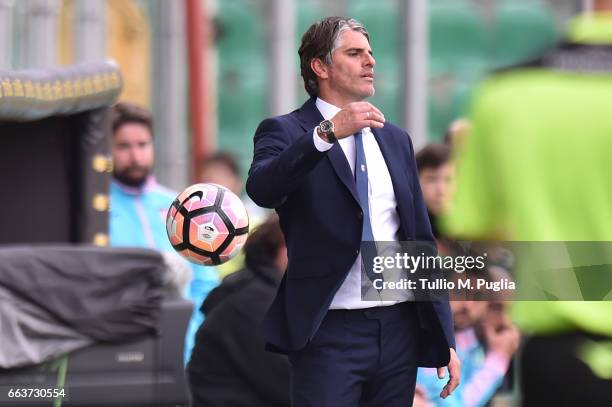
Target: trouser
365,357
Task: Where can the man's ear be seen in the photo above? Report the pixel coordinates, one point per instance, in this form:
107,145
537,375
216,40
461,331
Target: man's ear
319,68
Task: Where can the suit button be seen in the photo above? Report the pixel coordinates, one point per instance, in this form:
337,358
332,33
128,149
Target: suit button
360,215
357,252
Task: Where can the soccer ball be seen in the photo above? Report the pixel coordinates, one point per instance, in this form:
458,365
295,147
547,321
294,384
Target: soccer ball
207,224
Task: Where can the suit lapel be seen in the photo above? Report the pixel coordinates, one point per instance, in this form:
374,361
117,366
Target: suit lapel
310,117
343,170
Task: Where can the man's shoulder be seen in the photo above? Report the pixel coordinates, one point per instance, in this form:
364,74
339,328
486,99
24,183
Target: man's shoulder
285,120
151,188
395,129
230,285
163,191
158,196
292,119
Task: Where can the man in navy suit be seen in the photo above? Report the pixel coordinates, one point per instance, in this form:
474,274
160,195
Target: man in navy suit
338,174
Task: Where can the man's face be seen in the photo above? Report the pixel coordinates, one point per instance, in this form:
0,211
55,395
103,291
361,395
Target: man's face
132,154
467,313
438,186
351,73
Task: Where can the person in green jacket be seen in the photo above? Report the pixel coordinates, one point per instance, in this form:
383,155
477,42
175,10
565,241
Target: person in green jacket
537,167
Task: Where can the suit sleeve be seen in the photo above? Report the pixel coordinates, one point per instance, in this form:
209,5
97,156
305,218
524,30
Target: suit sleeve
281,160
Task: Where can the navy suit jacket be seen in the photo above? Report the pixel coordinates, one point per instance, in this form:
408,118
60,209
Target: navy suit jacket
315,196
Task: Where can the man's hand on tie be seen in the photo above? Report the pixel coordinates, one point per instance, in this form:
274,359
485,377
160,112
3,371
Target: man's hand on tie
356,116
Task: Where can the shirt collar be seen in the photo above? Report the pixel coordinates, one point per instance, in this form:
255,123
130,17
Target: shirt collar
327,109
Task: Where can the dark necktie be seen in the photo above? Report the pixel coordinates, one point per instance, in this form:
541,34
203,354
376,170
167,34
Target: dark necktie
361,181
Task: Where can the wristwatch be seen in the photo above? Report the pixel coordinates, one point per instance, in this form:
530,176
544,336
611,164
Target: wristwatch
326,127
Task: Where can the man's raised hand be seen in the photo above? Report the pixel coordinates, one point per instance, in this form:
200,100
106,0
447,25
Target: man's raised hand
356,116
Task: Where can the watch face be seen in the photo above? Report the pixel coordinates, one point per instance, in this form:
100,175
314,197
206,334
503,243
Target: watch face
326,126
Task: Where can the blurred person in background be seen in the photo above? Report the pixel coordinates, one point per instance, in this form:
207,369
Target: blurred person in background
485,345
139,204
221,168
437,180
485,357
457,134
536,168
338,174
421,398
229,365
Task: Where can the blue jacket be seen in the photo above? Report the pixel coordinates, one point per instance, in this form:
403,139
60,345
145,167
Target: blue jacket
315,196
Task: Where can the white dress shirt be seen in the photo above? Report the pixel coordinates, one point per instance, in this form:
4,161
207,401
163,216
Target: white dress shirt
383,214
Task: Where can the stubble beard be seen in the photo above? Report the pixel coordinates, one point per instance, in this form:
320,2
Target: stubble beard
130,180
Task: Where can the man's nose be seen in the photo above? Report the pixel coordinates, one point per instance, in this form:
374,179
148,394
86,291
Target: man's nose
135,155
370,61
